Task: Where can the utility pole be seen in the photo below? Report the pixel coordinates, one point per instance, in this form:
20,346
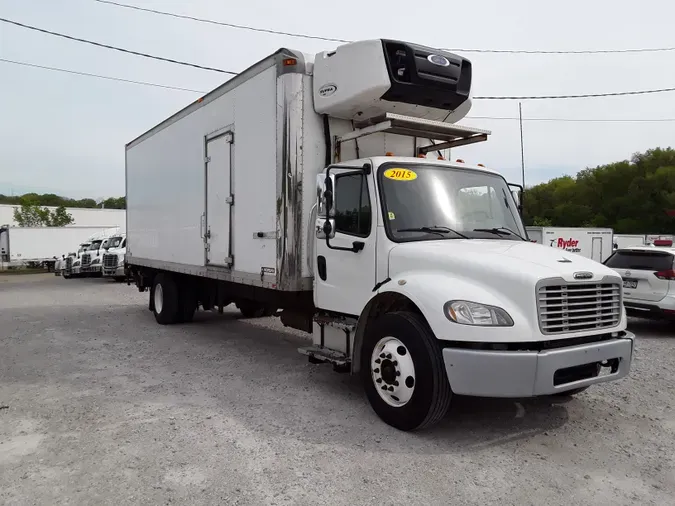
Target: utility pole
522,149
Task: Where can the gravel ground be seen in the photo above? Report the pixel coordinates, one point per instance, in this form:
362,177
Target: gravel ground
100,405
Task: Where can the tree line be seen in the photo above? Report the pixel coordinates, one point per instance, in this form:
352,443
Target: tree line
635,196
33,209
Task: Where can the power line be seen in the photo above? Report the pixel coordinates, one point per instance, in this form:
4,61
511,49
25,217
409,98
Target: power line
55,69
221,23
213,69
332,39
578,120
114,48
587,95
177,88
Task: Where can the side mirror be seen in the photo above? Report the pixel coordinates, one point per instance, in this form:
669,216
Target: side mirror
516,197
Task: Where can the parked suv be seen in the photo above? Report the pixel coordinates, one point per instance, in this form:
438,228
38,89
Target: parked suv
648,274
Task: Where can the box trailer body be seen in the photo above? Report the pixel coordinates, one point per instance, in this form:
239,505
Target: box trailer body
21,245
593,243
628,240
319,186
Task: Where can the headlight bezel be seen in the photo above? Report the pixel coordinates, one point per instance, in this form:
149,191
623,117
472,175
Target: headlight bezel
495,312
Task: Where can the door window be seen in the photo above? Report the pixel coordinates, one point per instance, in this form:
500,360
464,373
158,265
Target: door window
352,205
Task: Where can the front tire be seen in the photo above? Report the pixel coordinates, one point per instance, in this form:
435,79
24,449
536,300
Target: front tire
164,295
403,372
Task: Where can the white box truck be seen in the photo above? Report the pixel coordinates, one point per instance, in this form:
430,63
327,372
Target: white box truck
304,185
594,243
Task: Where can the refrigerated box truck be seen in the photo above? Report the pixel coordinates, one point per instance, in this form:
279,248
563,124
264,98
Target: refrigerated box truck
20,246
594,243
316,188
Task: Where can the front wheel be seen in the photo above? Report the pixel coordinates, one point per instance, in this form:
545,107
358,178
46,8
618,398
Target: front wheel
403,372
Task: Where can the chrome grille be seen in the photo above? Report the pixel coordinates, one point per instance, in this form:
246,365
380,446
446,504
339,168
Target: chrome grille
109,260
69,263
86,259
578,307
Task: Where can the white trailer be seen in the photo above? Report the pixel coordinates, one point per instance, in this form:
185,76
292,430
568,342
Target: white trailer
628,240
20,246
304,185
594,243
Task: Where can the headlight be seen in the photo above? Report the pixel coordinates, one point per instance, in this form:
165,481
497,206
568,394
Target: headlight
473,313
96,261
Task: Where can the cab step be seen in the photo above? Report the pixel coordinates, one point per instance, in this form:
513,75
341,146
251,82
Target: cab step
319,355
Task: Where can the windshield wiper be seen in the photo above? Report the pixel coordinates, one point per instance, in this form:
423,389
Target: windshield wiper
434,229
499,231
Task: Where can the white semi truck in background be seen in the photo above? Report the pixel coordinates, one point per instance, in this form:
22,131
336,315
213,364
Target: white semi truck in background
317,186
113,258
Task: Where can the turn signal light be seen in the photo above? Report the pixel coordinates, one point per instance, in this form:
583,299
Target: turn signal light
459,160
389,153
481,165
289,62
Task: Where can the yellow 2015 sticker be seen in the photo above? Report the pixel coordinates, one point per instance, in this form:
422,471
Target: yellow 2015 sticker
392,216
398,174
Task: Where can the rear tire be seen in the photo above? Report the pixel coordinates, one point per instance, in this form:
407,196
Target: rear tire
397,341
164,295
187,302
251,309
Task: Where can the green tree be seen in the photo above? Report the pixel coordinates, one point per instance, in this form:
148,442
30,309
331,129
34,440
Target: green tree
630,196
31,214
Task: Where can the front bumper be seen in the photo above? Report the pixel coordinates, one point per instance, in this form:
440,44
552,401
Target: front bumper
483,373
113,271
91,269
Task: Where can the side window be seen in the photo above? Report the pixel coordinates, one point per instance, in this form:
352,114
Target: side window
352,205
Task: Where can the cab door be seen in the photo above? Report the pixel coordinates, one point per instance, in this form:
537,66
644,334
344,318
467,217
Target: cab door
344,266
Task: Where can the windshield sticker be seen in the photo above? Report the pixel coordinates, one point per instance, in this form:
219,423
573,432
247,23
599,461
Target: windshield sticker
392,216
398,174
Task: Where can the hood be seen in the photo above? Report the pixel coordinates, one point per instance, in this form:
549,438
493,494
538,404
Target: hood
499,258
499,272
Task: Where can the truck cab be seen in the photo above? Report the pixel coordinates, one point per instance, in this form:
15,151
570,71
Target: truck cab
113,258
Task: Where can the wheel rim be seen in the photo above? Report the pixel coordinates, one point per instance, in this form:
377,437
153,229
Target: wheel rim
159,298
393,371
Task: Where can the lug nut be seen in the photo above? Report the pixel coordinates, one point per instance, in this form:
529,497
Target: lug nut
388,355
391,389
395,362
382,355
378,380
395,383
376,370
398,373
384,387
377,361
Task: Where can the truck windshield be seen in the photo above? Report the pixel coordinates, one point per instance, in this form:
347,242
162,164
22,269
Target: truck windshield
114,242
94,245
420,200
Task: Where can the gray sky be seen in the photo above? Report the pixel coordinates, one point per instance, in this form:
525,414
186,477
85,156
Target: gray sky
66,134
